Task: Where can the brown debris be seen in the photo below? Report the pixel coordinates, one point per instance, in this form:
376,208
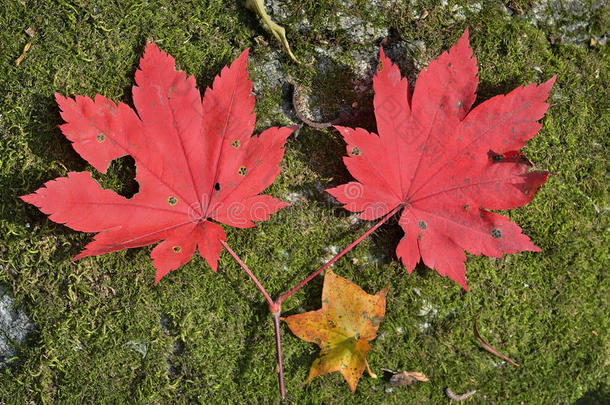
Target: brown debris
402,378
457,397
490,348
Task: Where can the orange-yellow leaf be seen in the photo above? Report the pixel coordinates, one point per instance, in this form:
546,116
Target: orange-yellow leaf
343,327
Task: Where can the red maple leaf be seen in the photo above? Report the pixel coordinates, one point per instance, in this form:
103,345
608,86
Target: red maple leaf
447,166
197,164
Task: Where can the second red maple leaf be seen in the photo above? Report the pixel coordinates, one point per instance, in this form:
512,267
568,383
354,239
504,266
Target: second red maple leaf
445,164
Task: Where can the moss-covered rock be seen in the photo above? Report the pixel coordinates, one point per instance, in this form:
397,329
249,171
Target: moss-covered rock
208,337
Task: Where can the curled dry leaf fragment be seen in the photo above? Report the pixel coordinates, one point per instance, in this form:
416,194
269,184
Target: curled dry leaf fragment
457,397
402,378
21,57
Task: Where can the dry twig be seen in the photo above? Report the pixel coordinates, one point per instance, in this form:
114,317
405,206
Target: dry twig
490,348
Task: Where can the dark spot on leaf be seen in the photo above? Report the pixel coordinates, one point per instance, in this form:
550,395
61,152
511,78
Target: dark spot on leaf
496,233
357,336
242,171
466,180
466,207
375,321
356,151
172,201
449,64
422,225
100,137
331,324
176,249
325,301
497,158
217,186
236,144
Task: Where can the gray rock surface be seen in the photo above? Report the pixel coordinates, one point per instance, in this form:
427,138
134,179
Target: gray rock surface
570,19
14,326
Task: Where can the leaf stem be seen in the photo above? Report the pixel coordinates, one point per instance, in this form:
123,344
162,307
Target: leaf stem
278,347
272,305
368,369
341,254
276,307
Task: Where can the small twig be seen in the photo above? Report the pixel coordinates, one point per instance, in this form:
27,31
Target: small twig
490,348
457,397
300,107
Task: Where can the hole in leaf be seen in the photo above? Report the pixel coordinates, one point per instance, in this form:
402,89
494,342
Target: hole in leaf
121,177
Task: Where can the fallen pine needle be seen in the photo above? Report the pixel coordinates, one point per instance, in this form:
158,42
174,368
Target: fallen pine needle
490,348
457,397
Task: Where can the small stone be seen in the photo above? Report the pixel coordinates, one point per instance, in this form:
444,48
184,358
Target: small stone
15,325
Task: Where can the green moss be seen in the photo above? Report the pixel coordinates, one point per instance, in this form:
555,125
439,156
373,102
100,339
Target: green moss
547,310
